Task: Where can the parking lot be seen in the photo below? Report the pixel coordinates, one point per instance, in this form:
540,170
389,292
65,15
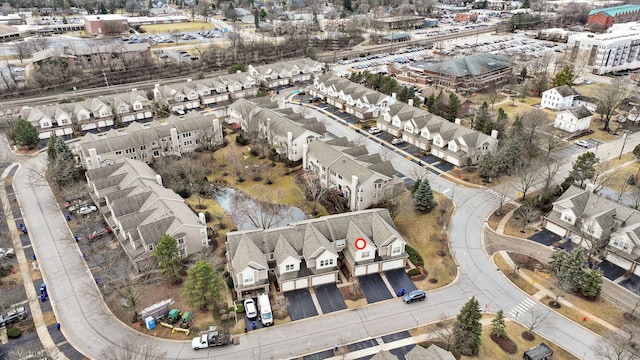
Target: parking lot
573,148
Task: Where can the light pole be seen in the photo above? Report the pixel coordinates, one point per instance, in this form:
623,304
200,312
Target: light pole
624,141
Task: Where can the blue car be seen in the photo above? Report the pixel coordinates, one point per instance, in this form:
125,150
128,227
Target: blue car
415,295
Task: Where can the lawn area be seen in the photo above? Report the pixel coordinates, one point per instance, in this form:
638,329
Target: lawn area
577,316
596,126
178,27
519,281
417,229
490,350
621,174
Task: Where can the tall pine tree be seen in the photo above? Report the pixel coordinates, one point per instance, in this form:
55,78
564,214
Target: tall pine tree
498,328
423,197
467,329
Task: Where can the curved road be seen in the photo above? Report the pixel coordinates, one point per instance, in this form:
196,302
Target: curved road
91,328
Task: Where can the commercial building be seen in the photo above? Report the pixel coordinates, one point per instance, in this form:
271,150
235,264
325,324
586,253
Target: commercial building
617,50
606,17
401,22
106,24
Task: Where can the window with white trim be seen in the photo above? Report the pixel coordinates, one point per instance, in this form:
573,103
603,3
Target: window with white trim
396,250
289,267
248,279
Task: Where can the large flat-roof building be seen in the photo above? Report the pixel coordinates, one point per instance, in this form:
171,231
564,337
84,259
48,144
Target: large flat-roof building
606,17
401,22
477,71
106,24
617,50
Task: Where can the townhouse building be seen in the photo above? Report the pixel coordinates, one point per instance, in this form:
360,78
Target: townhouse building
362,178
580,214
70,118
190,94
286,131
131,106
558,98
573,119
449,141
285,72
140,210
112,56
616,50
350,97
310,252
145,142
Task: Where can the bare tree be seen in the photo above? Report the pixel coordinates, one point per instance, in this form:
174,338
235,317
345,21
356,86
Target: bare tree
593,244
527,213
23,50
129,348
615,346
560,287
527,177
500,198
622,190
547,172
532,122
316,189
610,98
634,198
602,176
538,319
260,214
550,139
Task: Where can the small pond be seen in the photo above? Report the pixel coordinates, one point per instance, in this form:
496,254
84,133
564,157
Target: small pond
249,214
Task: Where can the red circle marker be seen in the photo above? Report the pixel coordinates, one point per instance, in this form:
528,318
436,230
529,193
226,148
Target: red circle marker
360,243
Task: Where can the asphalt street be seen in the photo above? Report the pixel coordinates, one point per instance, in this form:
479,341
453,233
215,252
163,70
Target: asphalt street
91,328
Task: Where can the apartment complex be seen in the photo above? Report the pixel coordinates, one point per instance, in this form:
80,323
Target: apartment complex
145,142
285,72
112,56
616,50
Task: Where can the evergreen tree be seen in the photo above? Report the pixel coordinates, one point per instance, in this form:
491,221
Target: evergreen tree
440,105
498,328
592,285
429,101
501,120
526,4
636,151
347,5
568,268
415,186
584,168
25,134
467,328
103,9
61,167
482,117
524,74
453,107
168,257
204,286
423,197
564,77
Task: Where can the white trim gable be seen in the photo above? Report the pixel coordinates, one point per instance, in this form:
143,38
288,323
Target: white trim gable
290,262
249,276
326,260
568,216
368,253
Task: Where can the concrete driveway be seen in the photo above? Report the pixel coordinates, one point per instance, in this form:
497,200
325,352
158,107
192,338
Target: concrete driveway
545,237
329,298
300,304
374,288
399,279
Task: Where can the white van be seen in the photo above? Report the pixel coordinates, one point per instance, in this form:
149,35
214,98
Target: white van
266,317
250,309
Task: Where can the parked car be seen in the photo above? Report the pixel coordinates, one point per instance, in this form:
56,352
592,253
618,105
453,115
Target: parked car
374,130
415,295
397,141
86,210
250,309
13,316
582,143
8,252
180,112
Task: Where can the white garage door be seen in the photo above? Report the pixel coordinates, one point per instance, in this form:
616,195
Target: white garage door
556,229
360,270
395,264
323,279
288,286
302,283
372,268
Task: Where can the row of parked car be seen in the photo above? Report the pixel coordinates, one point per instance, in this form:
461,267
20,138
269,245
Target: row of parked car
80,207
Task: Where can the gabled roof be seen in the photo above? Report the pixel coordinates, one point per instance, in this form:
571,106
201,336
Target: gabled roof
247,253
580,112
433,352
565,90
284,250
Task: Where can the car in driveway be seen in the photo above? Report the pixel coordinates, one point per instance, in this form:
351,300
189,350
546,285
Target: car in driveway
582,143
6,252
250,309
374,130
397,141
86,210
415,295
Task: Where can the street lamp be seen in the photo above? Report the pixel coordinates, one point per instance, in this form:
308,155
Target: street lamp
624,141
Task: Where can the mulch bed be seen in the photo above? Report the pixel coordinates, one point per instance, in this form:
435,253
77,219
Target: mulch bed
528,336
527,262
422,276
555,305
505,344
347,293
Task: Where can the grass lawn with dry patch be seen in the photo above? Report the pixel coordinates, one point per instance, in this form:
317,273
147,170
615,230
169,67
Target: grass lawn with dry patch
620,175
490,350
519,281
596,126
417,229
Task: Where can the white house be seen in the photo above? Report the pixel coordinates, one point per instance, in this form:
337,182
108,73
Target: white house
573,119
558,98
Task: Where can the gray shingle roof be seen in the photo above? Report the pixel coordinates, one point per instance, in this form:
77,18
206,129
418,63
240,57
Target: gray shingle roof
152,232
469,65
284,250
580,112
565,90
247,253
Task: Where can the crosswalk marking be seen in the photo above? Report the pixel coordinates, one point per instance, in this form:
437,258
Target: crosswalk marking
521,308
497,194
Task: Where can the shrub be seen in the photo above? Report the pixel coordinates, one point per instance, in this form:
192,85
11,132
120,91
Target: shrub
14,333
240,140
414,272
240,308
184,192
414,257
254,152
207,216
